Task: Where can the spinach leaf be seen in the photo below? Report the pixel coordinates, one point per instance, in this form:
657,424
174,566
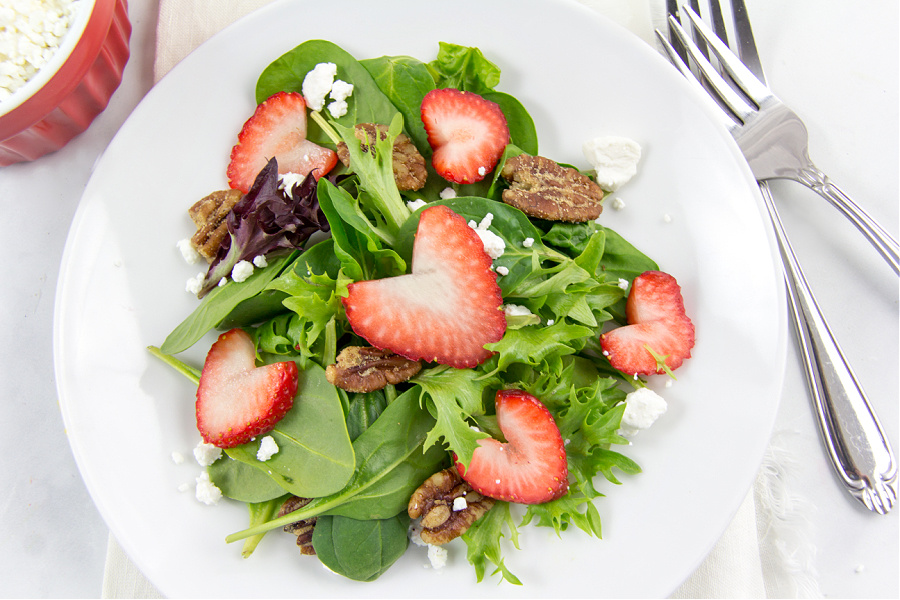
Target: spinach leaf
390,465
360,550
522,132
286,73
221,302
405,81
363,410
463,68
240,481
315,456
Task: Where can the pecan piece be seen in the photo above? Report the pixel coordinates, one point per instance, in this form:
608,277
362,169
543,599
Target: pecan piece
542,188
366,369
303,529
409,165
447,505
209,214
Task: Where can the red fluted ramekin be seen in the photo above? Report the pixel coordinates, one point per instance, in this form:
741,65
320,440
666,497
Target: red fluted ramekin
65,96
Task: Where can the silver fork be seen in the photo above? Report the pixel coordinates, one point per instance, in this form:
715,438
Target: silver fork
856,443
772,137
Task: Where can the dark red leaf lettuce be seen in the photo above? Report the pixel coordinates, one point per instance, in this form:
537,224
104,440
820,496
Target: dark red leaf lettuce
266,220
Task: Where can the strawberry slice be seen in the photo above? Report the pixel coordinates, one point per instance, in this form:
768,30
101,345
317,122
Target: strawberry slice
277,129
236,400
466,132
656,320
446,309
531,467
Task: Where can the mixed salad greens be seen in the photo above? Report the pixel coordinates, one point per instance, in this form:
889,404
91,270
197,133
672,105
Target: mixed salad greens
359,457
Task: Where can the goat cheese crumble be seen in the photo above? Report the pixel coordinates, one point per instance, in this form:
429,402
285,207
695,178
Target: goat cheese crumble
188,252
614,160
267,448
241,271
494,245
206,491
317,85
642,408
206,454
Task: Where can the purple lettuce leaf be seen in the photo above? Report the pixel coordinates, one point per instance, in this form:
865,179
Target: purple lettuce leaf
266,219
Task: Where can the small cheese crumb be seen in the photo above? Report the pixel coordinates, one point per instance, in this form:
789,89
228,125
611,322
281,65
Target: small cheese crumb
667,218
195,284
437,555
528,242
459,503
260,262
206,491
494,245
614,160
341,90
642,407
267,448
222,282
482,171
287,181
550,321
618,203
338,108
502,270
623,283
177,458
448,193
184,487
241,271
317,84
206,454
516,310
416,204
188,252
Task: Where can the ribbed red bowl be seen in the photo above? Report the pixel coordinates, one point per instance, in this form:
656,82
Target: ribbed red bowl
65,96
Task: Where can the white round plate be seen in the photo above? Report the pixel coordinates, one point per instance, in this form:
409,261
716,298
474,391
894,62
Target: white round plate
693,207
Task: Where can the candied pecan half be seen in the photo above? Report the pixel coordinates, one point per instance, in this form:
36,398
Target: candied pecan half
303,529
208,214
447,505
409,165
366,369
542,188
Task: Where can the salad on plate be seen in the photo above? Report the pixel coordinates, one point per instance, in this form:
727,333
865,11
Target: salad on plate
427,333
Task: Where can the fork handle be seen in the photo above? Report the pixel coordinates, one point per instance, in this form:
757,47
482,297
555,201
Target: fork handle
819,182
856,444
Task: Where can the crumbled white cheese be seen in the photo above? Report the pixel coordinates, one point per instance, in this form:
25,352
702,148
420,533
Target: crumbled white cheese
222,281
618,203
177,458
437,555
623,283
642,407
550,322
188,252
459,503
287,181
516,310
267,448
667,218
501,270
481,171
206,491
317,84
448,193
260,262
241,271
416,204
338,108
184,487
341,90
494,245
195,284
31,31
528,242
415,533
614,160
206,454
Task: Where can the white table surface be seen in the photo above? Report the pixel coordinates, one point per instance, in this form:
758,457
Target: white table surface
834,62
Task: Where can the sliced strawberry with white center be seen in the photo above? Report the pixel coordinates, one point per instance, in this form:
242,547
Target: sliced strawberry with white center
446,309
277,129
466,132
656,321
531,467
236,400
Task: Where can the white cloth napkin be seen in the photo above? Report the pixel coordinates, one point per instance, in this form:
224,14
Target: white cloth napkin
763,553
